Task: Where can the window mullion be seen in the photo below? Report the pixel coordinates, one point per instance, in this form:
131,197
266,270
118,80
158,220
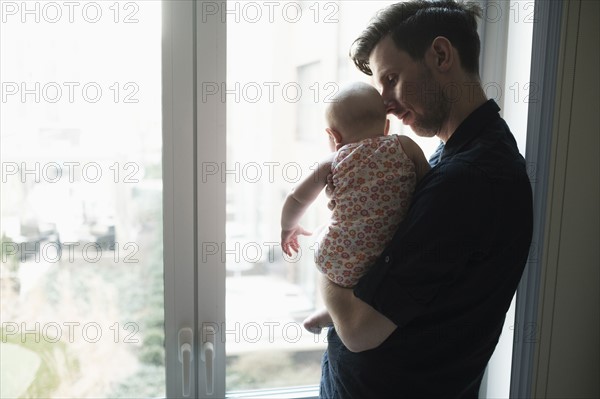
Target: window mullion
210,53
178,192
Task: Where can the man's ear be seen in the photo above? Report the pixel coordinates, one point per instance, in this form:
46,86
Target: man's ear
336,136
441,54
386,129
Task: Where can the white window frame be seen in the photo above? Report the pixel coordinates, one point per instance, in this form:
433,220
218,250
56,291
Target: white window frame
193,135
541,120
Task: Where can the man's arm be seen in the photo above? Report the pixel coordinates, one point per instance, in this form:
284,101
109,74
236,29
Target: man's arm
359,326
428,251
298,201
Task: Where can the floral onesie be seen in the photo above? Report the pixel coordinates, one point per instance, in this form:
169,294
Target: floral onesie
373,184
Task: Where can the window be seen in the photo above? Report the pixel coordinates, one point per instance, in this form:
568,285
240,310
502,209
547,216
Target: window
278,85
511,24
309,121
81,273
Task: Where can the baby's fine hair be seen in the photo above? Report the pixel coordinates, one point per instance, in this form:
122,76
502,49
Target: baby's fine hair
356,108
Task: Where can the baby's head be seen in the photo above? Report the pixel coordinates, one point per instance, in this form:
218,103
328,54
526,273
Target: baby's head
356,113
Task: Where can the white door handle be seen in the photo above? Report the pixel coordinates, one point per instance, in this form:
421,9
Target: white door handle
186,354
208,356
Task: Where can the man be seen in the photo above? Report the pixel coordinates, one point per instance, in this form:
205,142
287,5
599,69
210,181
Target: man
425,320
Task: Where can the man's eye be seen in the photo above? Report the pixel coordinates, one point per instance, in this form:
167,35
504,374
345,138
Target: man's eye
391,79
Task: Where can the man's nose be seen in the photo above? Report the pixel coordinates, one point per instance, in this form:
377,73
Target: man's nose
390,103
387,97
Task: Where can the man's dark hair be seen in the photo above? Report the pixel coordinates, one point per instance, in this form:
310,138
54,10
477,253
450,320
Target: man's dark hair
414,24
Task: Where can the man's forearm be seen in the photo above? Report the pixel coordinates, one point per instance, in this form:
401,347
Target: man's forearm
359,326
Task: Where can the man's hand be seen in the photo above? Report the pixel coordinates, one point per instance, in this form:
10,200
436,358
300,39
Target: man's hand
289,239
359,326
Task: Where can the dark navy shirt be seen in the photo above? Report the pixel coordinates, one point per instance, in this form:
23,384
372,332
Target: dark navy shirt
448,276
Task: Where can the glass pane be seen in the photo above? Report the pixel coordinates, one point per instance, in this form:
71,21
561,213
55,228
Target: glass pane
81,220
284,62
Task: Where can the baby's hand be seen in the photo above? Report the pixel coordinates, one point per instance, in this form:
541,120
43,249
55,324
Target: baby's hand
289,239
318,320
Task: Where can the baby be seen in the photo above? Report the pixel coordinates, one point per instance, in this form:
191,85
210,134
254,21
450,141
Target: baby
373,176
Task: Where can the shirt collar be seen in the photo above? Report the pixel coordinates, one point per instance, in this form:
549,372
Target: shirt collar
470,127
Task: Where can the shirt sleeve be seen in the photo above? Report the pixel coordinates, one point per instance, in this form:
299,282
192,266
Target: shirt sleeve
441,233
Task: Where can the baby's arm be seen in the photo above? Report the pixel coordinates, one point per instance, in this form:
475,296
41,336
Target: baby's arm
415,153
298,201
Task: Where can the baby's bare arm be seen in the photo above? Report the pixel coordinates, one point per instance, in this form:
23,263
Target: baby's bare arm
298,201
300,198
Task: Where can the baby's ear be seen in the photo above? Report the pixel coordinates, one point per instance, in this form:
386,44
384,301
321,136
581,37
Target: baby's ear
337,137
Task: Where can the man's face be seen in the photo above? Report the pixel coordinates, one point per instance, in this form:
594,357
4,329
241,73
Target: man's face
409,89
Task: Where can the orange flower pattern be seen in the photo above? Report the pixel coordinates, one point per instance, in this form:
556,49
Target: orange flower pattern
373,185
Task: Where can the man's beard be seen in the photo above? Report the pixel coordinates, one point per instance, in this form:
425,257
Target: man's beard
436,108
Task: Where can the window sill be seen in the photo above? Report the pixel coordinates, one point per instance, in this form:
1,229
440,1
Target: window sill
304,392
